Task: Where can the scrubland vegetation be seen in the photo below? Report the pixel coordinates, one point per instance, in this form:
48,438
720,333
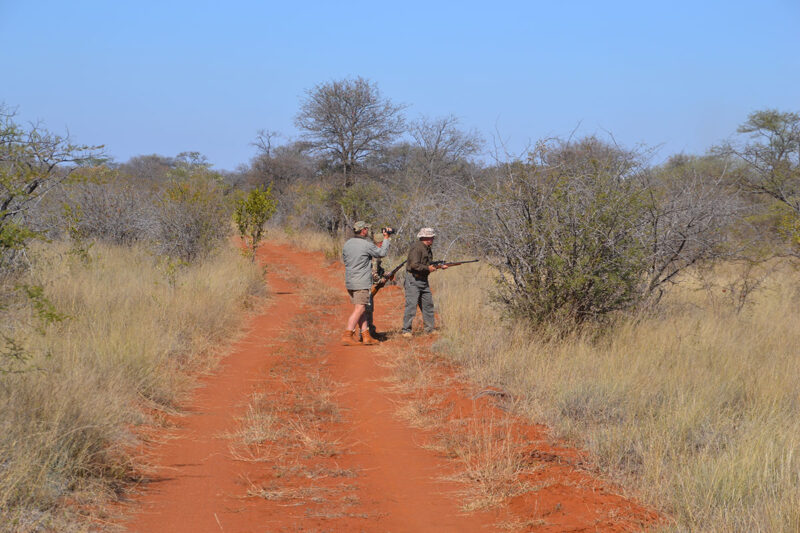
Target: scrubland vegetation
129,329
645,310
112,293
694,408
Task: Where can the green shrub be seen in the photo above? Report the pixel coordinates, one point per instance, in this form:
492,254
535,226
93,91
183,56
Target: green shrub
582,230
567,230
251,214
193,216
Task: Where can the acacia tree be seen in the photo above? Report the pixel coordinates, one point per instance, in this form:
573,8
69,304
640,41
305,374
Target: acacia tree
689,212
281,166
773,155
443,147
32,162
772,164
347,120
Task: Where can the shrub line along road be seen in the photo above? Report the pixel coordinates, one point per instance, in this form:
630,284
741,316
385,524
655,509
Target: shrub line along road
339,459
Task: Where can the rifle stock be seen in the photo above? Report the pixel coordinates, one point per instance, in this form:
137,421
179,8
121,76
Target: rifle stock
386,277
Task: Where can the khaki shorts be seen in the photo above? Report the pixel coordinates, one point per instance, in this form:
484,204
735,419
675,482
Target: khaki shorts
359,297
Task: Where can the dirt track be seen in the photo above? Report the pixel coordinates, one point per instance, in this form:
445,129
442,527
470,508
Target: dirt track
333,455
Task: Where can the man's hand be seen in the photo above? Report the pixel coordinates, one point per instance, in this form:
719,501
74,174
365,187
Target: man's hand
386,234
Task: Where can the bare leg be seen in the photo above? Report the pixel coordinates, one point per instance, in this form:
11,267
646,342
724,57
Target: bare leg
357,317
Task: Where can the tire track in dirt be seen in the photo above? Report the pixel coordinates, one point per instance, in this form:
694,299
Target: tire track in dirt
197,485
296,433
506,463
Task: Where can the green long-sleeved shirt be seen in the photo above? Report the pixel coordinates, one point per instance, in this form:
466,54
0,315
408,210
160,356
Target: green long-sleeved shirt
420,257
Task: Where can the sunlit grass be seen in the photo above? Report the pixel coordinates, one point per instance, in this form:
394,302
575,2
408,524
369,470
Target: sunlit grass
695,409
134,326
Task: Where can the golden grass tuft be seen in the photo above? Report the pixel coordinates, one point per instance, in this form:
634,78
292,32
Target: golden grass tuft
489,457
134,327
492,462
261,422
413,376
694,408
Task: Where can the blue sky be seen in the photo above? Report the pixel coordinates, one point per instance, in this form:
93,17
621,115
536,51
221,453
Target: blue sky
170,76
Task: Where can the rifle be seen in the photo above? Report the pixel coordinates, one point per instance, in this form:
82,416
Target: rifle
386,277
439,264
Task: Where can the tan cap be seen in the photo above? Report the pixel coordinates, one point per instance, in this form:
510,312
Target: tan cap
426,233
378,237
358,226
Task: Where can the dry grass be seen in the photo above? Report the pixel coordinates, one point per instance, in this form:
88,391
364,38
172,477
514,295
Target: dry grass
522,525
290,419
317,502
490,459
279,424
313,440
492,462
313,472
302,495
289,424
414,376
259,428
320,296
134,327
694,409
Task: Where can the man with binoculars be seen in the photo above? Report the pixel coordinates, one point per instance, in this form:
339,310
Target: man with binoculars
357,254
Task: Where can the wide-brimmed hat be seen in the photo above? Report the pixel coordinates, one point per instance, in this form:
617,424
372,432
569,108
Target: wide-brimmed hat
426,233
358,226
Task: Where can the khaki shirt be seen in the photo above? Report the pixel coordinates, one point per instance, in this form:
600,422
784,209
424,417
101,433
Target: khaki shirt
357,254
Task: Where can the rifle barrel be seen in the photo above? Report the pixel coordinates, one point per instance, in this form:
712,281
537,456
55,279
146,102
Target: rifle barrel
454,263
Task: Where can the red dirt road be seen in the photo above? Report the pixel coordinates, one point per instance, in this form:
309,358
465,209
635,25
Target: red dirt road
336,457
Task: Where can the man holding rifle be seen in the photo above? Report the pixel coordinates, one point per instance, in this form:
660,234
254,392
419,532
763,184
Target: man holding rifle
418,292
357,254
377,274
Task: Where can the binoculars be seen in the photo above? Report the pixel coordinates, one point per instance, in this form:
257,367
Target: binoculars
388,231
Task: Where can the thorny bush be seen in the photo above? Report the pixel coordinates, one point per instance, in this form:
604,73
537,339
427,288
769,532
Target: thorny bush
584,229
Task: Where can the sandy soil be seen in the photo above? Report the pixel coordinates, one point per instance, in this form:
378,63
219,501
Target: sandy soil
295,433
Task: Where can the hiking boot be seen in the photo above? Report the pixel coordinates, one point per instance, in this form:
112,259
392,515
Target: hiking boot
348,338
407,334
366,338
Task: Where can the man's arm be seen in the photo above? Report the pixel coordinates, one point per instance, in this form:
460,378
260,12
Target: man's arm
380,251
